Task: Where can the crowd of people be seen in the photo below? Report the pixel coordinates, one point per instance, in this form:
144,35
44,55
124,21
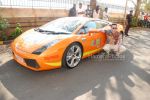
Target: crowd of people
88,12
114,38
144,20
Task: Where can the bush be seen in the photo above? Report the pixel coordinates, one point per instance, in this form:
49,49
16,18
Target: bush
134,22
3,26
17,32
4,36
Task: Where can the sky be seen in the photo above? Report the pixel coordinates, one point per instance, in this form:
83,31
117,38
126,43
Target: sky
117,2
121,3
62,4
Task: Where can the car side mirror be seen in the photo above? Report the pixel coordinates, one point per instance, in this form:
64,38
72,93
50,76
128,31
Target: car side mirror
81,33
84,27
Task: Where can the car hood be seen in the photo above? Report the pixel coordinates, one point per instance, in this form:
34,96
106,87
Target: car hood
32,40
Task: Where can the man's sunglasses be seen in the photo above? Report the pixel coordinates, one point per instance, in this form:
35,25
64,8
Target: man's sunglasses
114,28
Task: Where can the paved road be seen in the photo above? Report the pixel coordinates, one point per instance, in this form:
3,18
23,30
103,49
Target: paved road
93,79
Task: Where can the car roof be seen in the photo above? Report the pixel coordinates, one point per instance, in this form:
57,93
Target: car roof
85,19
76,18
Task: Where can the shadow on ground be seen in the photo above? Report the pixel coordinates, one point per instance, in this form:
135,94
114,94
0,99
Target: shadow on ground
92,79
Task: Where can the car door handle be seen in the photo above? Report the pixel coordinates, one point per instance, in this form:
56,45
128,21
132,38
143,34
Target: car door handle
83,39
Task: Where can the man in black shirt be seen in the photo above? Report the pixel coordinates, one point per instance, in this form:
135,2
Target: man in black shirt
72,11
89,12
128,22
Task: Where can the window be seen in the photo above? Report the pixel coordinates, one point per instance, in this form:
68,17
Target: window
63,25
100,24
87,27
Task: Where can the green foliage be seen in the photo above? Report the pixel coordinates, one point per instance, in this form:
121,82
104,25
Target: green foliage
147,7
4,36
17,32
3,24
134,22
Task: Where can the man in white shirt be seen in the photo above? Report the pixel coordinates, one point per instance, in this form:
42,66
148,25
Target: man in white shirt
96,12
141,19
80,11
105,14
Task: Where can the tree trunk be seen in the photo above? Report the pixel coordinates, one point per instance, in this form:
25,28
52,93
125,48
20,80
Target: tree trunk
93,4
137,8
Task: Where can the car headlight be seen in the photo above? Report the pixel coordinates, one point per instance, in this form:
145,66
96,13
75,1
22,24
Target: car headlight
43,48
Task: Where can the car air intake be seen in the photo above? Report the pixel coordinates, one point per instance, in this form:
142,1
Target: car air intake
31,63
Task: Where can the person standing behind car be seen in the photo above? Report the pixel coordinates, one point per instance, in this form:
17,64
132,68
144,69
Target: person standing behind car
141,19
105,14
80,11
146,20
128,22
149,21
96,12
72,11
88,12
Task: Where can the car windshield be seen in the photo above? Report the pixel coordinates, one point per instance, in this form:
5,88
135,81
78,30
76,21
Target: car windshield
63,25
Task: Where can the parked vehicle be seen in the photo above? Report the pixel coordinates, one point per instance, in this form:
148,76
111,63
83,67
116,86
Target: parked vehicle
62,42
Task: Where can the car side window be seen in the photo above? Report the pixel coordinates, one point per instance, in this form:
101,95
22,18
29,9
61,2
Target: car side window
100,24
87,27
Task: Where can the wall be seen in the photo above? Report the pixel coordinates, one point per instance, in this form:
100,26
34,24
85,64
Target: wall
29,17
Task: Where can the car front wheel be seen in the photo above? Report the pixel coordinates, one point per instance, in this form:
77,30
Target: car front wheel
73,55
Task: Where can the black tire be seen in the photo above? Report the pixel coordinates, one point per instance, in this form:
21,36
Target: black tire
64,62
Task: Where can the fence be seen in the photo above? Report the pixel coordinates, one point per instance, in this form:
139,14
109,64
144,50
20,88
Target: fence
33,13
50,4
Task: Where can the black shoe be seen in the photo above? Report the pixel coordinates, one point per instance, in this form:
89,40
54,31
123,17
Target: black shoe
126,35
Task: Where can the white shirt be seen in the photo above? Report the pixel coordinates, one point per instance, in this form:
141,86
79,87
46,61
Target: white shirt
79,10
105,15
95,14
141,17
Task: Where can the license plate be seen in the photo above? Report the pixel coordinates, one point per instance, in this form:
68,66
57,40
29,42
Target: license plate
19,58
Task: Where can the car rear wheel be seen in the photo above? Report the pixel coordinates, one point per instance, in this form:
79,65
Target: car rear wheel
72,56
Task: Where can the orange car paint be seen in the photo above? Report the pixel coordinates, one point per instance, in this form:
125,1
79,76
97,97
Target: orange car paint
52,57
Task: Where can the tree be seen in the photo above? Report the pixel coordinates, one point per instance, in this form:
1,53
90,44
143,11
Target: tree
137,8
147,7
93,4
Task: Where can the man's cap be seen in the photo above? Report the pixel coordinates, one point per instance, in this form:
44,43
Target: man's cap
80,3
131,10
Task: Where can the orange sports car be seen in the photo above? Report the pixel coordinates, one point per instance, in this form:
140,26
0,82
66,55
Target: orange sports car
62,42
